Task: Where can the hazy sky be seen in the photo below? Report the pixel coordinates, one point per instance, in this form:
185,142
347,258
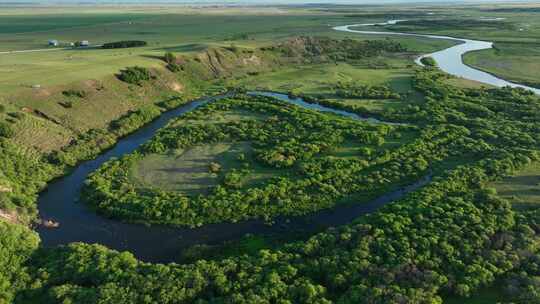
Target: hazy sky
256,1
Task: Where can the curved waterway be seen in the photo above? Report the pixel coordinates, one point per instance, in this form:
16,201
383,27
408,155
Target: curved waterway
450,60
78,223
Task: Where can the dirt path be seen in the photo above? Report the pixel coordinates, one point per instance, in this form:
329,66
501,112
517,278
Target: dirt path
48,50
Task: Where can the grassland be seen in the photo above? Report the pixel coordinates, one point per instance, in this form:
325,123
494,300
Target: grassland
164,30
187,171
320,79
523,188
517,62
35,81
184,31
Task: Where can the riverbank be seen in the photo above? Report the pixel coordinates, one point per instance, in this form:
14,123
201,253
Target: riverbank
78,222
449,60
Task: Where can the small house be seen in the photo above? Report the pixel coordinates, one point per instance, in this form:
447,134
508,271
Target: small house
53,43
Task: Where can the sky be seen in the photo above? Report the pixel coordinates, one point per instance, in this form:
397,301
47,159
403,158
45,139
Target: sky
254,1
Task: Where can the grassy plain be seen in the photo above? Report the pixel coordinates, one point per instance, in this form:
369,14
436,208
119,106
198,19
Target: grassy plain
516,62
523,188
186,171
320,79
165,30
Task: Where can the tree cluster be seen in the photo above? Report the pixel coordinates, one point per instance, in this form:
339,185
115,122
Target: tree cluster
124,44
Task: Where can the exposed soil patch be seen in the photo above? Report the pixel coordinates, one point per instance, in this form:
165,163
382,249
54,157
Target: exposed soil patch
9,216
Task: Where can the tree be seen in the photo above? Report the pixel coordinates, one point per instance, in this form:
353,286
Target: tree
169,58
6,130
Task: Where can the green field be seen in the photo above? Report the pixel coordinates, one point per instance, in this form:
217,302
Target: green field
517,62
320,79
187,171
523,188
165,30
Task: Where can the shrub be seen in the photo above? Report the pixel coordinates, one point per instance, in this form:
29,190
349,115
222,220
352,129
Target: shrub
6,130
135,75
75,93
169,58
428,61
16,115
66,104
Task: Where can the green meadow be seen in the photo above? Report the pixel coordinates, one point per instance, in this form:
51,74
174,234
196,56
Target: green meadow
522,189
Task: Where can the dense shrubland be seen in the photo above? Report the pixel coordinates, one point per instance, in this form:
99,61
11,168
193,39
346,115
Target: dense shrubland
17,243
6,130
450,237
297,141
75,93
22,175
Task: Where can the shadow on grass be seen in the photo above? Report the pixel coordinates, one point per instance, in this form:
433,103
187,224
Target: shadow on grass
191,47
152,56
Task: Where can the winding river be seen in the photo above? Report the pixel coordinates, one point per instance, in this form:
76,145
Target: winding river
78,223
449,60
163,244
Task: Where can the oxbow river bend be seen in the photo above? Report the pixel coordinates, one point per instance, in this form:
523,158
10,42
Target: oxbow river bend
78,223
449,60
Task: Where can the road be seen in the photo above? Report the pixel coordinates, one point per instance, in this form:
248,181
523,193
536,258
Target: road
49,50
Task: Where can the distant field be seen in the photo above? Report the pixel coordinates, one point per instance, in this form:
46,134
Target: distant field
516,62
516,35
187,30
320,79
522,189
165,30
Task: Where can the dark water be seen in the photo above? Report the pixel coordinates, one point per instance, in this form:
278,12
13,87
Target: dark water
160,243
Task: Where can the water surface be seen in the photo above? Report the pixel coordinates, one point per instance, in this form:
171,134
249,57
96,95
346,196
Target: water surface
450,60
78,223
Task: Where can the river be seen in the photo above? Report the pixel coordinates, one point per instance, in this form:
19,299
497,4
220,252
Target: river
450,60
78,223
163,244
